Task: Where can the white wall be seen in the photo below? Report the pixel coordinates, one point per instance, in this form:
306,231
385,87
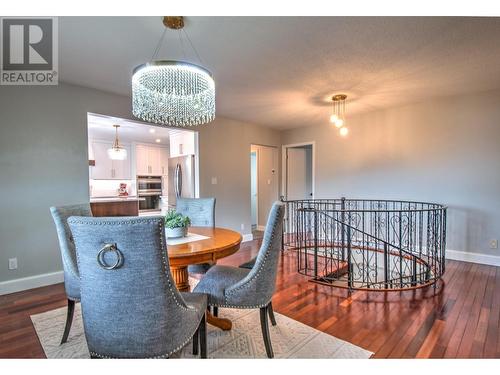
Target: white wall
444,150
44,162
224,147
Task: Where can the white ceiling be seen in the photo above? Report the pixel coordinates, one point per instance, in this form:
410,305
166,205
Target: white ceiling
280,71
101,127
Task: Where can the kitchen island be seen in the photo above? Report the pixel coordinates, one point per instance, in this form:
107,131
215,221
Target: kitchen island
115,206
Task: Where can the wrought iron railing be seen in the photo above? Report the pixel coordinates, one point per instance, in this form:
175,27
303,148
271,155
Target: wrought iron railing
367,244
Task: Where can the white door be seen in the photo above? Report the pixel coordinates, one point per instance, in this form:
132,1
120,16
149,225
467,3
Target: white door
102,170
298,184
267,182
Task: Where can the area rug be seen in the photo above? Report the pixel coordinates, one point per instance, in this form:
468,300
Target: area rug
290,339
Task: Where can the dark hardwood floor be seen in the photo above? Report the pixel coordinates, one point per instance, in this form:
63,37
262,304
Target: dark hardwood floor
460,320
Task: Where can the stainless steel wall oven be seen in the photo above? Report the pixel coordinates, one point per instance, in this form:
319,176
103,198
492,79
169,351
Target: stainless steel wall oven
150,189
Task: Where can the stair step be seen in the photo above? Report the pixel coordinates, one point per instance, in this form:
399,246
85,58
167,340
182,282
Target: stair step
337,272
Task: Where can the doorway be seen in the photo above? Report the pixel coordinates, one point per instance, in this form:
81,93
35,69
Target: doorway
147,170
264,188
298,171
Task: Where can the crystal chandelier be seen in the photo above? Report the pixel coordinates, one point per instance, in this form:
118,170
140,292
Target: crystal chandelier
170,92
117,152
338,113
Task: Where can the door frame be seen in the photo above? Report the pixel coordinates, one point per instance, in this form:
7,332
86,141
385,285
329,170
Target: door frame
284,163
256,182
133,166
277,173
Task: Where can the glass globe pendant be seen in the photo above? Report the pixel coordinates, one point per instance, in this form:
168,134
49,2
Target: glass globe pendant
338,113
171,92
117,152
344,131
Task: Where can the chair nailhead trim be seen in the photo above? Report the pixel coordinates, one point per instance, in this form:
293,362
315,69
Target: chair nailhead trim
167,355
67,268
247,283
166,270
239,307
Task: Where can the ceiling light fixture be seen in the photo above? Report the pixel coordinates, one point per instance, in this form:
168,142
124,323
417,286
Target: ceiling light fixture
157,140
152,131
117,152
171,92
338,112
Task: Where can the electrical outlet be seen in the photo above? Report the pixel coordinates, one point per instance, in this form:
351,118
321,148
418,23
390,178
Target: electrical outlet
13,264
494,244
242,226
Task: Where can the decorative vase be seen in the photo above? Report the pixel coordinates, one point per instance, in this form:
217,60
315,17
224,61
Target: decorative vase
176,232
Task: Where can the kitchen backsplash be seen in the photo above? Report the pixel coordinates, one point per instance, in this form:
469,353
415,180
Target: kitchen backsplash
109,188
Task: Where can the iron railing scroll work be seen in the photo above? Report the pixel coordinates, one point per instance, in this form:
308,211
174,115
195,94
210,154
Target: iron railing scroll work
364,244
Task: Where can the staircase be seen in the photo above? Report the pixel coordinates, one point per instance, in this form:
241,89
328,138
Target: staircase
366,244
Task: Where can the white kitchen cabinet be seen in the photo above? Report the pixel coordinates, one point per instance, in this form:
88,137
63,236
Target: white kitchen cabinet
102,168
121,168
151,160
105,168
164,155
181,143
141,159
154,158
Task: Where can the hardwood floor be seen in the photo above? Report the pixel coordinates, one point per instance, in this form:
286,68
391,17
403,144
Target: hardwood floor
460,320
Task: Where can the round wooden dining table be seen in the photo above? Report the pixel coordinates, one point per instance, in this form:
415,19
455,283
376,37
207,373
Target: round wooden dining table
220,243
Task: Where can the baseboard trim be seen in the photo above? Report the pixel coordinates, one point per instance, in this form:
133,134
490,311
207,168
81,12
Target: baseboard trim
463,256
247,237
25,283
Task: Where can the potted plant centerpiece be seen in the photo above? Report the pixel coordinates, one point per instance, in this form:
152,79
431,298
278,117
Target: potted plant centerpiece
176,224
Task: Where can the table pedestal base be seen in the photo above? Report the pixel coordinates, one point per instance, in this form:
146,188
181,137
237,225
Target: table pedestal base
181,278
224,324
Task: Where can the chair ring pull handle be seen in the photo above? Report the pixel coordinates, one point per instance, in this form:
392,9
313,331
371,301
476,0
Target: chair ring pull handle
102,261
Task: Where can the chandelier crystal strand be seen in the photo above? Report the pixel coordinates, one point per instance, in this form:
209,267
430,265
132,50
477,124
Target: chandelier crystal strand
173,93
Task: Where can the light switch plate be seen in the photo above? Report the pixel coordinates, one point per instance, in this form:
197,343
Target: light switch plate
214,180
13,264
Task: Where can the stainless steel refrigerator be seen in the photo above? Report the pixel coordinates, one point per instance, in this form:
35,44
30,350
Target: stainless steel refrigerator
180,178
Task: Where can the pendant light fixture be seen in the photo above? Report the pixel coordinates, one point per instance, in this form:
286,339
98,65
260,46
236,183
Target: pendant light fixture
338,113
172,92
117,152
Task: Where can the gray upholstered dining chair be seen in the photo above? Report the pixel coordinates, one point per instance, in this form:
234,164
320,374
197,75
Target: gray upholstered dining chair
249,265
130,305
201,211
242,288
68,254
